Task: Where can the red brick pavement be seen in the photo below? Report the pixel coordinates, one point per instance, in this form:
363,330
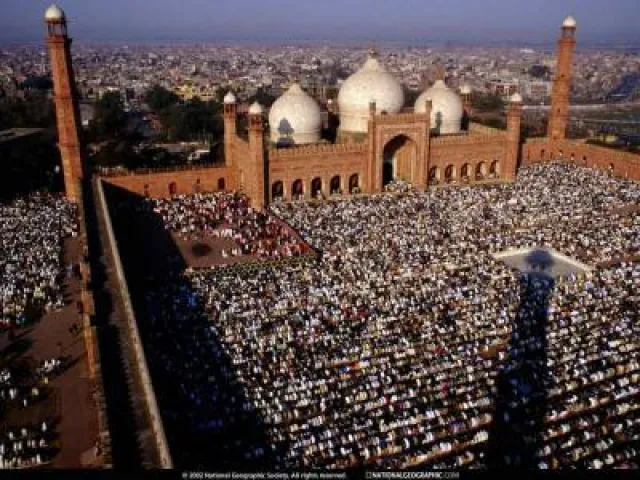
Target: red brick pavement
78,422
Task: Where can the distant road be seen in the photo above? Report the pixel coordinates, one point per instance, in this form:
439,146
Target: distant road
594,106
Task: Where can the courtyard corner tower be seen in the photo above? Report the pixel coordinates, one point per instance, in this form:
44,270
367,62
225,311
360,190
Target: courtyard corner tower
66,102
558,116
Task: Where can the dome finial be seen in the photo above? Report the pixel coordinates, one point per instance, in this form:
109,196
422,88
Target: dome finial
229,98
440,72
256,108
54,14
569,22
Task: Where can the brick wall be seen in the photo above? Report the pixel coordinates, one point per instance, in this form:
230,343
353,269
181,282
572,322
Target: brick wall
471,151
623,164
161,184
323,163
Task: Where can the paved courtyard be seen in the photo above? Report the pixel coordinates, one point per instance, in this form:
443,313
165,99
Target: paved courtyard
541,260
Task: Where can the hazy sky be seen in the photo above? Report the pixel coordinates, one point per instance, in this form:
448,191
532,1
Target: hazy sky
416,21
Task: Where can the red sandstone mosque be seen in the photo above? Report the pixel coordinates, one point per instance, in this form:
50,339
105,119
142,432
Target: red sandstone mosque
380,139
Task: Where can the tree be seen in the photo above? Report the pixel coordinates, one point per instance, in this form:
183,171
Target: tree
193,120
30,164
158,98
109,120
539,71
410,96
263,98
43,83
487,102
34,110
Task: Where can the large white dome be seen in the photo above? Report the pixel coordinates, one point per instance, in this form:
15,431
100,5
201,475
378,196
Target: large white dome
372,83
295,118
446,108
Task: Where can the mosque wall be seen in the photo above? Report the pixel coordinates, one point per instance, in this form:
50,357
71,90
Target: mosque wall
622,164
478,157
162,184
323,162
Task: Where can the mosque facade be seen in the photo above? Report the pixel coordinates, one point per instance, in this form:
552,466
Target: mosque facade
379,138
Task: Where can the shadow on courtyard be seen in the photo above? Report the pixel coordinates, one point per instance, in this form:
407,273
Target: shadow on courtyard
522,384
209,421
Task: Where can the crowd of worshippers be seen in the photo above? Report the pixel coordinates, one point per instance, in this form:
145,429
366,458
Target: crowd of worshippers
32,232
228,215
407,342
29,445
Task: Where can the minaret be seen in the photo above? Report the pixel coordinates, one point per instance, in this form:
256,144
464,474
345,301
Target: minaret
514,119
66,102
465,94
557,127
254,165
230,128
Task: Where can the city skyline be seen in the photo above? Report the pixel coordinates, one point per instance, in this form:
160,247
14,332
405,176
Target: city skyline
286,21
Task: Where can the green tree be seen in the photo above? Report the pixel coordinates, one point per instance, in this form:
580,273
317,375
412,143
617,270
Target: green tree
110,118
34,110
487,102
263,98
30,164
193,120
158,98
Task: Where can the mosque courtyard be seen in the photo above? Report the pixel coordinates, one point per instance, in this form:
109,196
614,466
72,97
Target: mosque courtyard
375,354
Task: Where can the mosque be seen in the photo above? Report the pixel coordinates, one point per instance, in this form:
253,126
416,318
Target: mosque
379,138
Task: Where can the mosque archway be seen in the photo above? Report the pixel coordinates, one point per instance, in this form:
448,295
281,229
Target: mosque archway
173,189
481,171
334,185
494,170
354,184
316,187
465,171
450,174
297,190
221,184
434,175
277,191
398,159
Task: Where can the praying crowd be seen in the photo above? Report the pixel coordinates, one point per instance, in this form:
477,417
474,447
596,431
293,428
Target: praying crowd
407,344
32,232
31,444
227,215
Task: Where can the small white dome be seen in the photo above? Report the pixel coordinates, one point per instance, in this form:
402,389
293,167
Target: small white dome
465,89
255,109
372,83
54,13
229,98
295,117
516,98
446,107
569,22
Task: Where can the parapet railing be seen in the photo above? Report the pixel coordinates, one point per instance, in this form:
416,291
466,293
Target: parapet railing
274,153
141,361
123,172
